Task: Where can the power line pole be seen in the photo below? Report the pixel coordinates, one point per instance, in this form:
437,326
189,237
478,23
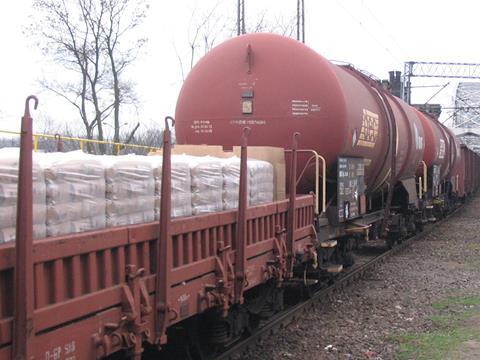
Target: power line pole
241,17
301,20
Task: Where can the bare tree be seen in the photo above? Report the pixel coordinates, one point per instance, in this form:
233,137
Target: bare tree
151,137
9,141
279,24
207,28
84,38
45,125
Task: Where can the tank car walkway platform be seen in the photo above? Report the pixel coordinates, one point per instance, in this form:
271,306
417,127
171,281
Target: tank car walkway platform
424,303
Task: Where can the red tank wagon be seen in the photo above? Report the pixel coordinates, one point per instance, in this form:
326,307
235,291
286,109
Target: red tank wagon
404,160
277,86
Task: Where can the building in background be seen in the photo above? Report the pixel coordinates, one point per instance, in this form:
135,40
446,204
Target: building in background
466,119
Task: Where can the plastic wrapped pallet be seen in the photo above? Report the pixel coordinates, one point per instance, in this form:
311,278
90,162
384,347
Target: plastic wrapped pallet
181,185
9,160
207,183
260,186
130,190
75,192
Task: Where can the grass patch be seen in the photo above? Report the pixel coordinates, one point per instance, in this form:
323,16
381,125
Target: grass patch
472,263
450,330
458,303
436,345
473,246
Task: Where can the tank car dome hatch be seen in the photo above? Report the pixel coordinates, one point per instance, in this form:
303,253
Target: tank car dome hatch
278,86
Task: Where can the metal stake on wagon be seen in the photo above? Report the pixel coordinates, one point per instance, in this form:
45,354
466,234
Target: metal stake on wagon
164,243
291,217
241,238
23,326
60,144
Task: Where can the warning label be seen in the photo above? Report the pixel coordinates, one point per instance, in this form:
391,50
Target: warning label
369,132
202,127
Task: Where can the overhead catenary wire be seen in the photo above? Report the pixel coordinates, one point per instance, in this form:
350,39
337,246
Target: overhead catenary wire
384,28
439,91
359,22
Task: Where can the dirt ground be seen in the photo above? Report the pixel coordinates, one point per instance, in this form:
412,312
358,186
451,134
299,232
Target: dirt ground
423,303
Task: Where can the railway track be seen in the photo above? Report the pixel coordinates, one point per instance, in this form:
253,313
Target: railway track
291,314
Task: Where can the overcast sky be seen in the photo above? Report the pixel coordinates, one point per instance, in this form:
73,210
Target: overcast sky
373,35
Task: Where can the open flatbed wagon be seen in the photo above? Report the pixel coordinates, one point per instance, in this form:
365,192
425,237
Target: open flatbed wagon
93,294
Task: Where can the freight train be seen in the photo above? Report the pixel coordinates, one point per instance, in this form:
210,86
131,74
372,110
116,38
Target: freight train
361,164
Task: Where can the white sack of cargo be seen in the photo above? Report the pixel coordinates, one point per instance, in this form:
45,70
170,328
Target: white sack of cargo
75,192
231,182
207,183
130,219
181,202
130,190
9,160
260,183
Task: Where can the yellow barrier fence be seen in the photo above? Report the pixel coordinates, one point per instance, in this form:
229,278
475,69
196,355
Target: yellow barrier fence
82,141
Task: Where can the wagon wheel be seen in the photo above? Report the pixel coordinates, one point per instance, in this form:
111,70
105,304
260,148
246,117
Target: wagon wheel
390,242
307,290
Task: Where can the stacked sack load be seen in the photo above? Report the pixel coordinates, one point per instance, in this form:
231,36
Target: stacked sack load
207,184
181,204
261,182
9,160
130,190
260,186
75,192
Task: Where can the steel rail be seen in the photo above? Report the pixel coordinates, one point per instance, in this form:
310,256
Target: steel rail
283,319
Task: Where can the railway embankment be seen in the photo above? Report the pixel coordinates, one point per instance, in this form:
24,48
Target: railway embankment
423,303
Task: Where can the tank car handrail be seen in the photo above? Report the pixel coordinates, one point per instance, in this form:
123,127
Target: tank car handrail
425,174
317,173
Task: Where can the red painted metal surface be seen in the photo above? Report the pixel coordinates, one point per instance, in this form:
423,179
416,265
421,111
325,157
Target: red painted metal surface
468,171
23,327
291,206
240,248
80,280
60,144
89,295
441,146
287,88
164,243
435,142
454,152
